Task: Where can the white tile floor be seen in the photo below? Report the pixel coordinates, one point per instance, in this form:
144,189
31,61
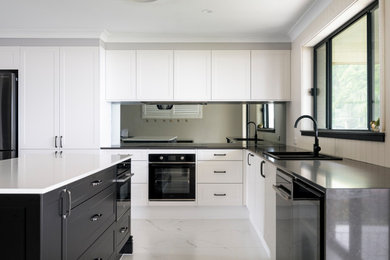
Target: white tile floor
169,239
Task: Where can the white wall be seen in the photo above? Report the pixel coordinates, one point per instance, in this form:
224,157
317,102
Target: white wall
301,82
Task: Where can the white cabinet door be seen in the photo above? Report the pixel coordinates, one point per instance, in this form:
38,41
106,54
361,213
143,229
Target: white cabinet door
270,208
250,184
192,79
39,97
9,57
259,196
79,98
155,75
230,75
270,75
120,75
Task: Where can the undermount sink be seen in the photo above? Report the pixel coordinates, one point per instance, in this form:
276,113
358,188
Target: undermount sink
300,156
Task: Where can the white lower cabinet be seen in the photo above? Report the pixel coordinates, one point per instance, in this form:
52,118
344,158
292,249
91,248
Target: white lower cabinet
219,177
140,170
220,194
139,194
261,198
270,208
255,192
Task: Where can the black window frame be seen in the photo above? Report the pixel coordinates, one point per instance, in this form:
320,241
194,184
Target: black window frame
364,134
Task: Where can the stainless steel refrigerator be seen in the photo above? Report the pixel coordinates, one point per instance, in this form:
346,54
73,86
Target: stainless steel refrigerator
8,115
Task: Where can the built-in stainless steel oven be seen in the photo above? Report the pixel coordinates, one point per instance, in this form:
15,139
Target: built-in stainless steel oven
299,219
171,177
123,188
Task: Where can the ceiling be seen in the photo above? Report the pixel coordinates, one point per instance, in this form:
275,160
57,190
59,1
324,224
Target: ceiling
162,20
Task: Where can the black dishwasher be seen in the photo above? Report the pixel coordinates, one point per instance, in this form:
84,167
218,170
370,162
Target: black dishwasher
299,219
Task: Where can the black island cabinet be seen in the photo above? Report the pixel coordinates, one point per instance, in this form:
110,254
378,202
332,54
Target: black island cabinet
77,221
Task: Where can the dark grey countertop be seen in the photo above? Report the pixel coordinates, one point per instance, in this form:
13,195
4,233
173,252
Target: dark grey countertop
174,145
344,174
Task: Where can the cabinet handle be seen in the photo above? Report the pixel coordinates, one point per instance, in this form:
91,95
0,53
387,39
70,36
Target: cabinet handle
251,155
66,210
262,169
220,154
69,201
123,230
96,183
55,141
61,141
55,154
96,217
219,194
98,258
219,171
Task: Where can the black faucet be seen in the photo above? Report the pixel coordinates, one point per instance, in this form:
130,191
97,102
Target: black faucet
316,146
251,122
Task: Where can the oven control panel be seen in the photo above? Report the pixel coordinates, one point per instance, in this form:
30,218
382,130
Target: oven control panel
153,158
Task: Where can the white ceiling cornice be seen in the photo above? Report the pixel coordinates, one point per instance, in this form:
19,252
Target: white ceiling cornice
315,9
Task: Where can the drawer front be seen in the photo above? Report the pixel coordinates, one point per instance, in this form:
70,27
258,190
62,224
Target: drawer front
220,194
220,172
139,194
136,154
88,221
122,229
102,249
219,155
91,185
140,170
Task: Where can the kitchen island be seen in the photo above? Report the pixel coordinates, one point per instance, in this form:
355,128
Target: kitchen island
59,205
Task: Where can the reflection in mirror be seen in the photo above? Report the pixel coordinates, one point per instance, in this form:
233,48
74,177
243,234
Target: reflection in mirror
266,116
270,120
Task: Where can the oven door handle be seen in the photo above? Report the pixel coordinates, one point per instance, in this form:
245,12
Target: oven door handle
125,179
281,192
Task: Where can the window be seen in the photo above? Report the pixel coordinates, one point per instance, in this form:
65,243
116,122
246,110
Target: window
346,75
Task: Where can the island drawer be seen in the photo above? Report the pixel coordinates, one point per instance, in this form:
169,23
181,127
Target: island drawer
87,221
219,155
122,229
219,172
103,248
91,185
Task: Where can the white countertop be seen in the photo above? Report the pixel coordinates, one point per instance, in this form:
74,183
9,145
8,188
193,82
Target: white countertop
40,172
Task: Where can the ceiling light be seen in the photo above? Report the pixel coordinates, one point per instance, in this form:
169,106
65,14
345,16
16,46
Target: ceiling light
207,11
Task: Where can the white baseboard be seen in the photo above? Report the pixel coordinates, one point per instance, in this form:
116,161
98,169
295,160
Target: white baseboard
189,212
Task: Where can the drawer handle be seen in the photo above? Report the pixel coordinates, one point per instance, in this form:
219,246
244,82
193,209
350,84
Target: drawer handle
219,194
98,258
96,183
123,230
219,171
220,154
96,217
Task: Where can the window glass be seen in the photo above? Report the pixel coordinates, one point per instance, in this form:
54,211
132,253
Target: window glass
349,77
321,85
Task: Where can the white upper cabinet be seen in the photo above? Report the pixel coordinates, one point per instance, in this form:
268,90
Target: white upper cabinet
59,98
9,57
270,75
79,97
120,75
231,75
155,75
192,79
38,97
